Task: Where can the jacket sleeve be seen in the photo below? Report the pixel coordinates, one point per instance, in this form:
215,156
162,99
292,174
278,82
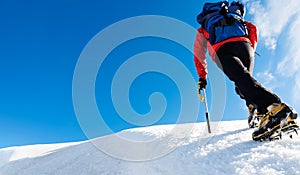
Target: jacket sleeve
252,34
200,48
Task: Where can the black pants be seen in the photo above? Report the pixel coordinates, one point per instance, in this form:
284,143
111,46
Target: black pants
236,60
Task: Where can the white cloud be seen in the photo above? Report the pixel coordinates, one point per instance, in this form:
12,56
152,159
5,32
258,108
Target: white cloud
289,66
271,17
267,79
280,19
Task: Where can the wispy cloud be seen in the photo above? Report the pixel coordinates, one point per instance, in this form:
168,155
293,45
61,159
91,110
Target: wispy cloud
276,20
290,65
271,17
267,79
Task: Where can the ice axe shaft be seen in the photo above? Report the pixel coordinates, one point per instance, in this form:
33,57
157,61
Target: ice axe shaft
204,100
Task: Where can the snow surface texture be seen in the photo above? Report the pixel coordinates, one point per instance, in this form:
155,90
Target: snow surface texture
229,151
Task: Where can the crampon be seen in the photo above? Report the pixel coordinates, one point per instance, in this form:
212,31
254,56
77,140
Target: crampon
287,127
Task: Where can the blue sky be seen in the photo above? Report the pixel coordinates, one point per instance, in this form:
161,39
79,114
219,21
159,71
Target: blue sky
41,43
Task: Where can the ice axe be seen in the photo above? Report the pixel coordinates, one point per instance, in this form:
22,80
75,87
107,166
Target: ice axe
204,100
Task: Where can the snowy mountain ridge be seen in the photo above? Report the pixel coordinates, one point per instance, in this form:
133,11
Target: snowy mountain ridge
229,150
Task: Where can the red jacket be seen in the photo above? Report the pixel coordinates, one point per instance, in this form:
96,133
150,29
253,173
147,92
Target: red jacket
201,45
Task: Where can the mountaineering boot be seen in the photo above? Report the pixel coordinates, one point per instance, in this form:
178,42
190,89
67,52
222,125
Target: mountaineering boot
290,123
279,117
251,117
254,116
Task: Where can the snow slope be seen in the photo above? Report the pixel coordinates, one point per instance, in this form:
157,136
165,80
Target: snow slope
229,151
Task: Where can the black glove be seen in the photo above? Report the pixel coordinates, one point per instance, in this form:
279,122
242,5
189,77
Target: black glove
201,84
